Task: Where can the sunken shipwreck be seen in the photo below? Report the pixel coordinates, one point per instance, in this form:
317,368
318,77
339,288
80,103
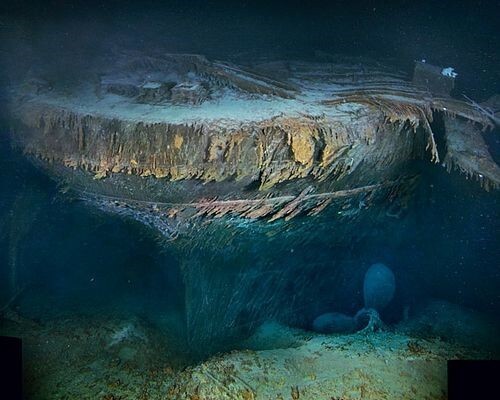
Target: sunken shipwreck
245,221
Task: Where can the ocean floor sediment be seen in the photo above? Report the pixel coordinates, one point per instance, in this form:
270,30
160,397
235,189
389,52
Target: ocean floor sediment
116,358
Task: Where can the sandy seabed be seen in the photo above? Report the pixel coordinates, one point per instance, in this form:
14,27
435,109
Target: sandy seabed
84,357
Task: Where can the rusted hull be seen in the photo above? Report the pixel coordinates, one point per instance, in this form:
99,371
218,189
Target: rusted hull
235,158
